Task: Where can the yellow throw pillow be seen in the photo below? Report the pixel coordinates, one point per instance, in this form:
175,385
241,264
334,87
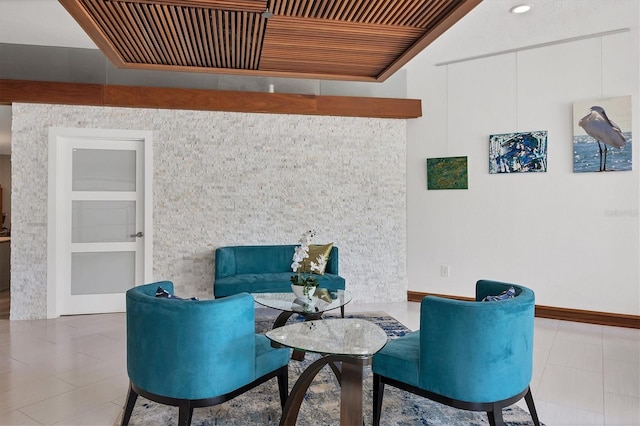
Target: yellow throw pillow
314,252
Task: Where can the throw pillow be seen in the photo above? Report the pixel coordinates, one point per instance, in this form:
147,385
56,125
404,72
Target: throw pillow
314,252
162,293
507,294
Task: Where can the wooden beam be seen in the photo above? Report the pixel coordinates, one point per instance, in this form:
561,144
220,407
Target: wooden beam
206,100
369,107
49,93
209,100
552,312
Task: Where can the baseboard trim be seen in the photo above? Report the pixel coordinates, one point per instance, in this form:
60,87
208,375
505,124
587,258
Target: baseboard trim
552,312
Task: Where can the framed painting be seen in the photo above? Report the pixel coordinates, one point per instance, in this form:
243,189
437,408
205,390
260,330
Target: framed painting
447,173
602,135
518,152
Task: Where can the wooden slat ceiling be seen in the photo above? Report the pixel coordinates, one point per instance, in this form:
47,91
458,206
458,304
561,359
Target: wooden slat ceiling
361,40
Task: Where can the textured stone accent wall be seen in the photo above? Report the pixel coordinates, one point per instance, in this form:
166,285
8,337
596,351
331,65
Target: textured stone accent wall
233,179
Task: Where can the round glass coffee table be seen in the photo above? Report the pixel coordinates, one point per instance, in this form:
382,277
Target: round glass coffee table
346,345
311,309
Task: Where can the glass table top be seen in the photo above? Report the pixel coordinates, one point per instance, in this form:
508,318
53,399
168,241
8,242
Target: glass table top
288,302
340,336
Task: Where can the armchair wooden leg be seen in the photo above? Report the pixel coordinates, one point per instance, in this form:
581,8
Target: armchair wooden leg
495,416
283,384
378,392
185,413
132,396
532,407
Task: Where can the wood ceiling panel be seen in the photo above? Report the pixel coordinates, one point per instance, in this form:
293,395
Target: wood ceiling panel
256,6
363,40
417,13
332,47
164,34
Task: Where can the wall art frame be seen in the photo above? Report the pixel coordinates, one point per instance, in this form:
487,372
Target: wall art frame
447,173
519,152
602,135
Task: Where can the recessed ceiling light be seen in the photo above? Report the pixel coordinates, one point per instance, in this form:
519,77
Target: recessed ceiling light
521,8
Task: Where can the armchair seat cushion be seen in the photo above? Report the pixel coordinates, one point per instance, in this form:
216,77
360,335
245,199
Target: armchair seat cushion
399,359
266,359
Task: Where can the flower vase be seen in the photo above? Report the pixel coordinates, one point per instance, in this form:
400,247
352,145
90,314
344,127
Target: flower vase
298,290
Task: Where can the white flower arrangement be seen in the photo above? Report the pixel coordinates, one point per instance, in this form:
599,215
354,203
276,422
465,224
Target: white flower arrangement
301,253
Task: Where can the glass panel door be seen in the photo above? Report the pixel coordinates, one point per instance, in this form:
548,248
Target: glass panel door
103,231
107,221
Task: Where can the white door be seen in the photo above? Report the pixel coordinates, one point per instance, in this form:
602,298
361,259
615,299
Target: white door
101,231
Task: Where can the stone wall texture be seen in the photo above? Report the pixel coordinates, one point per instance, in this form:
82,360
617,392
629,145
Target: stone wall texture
232,179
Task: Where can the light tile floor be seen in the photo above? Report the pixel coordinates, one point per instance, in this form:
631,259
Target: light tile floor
72,370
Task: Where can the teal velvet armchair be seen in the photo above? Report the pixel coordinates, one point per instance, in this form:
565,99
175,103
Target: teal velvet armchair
191,353
472,355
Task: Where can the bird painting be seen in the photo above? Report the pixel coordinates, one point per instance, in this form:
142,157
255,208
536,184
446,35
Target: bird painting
597,125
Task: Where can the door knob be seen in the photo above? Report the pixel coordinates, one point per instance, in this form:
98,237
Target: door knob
139,234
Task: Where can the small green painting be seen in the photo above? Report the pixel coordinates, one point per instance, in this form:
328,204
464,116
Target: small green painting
447,173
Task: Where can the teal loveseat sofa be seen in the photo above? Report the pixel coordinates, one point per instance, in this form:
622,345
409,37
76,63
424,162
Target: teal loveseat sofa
265,269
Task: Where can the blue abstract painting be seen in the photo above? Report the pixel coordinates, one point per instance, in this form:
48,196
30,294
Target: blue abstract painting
518,152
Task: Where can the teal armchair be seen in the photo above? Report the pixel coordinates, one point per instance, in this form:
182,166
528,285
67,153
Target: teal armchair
192,353
472,355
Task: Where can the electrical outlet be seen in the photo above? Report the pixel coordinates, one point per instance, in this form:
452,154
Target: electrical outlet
445,271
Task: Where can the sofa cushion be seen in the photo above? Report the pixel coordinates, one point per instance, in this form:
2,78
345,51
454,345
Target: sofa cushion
164,294
510,293
278,282
315,251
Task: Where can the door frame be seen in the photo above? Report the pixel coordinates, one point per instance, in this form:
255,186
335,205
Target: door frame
54,208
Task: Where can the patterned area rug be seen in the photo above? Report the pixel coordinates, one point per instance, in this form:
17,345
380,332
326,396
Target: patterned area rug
261,405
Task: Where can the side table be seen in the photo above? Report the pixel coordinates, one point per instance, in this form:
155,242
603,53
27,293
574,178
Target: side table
350,343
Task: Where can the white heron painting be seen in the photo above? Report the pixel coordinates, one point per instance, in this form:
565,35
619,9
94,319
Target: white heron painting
518,152
602,135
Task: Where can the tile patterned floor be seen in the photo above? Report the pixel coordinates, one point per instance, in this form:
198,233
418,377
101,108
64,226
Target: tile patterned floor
72,370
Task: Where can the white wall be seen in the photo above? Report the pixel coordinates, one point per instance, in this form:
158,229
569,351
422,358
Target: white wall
232,179
572,238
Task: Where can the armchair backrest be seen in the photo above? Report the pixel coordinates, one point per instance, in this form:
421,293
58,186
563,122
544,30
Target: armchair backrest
477,351
189,349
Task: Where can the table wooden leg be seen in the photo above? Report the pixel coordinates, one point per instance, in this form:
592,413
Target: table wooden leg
297,355
292,406
350,378
351,394
282,319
